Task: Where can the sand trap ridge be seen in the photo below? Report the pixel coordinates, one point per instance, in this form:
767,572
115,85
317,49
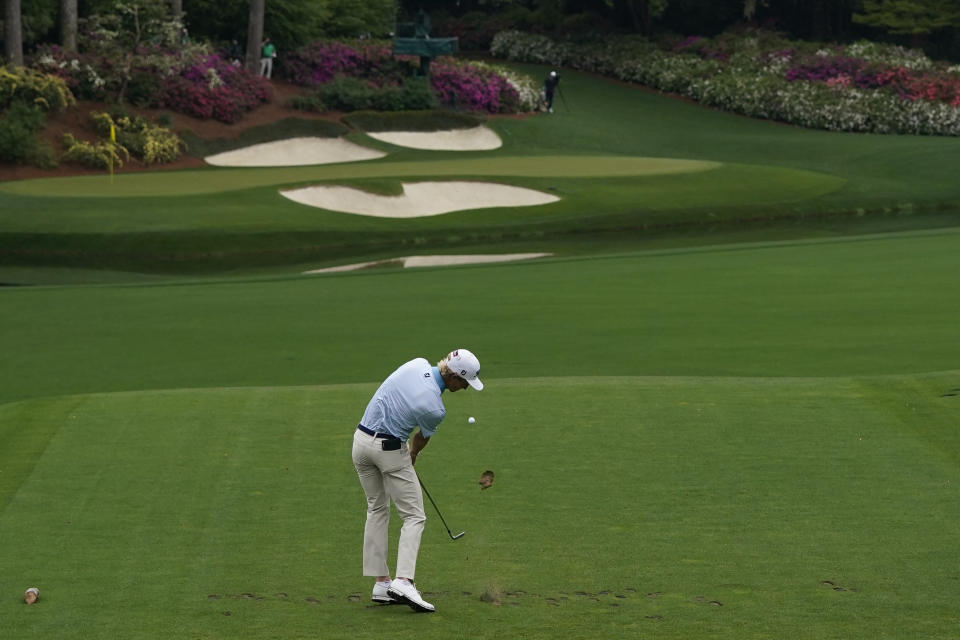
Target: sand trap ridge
434,261
475,139
419,198
294,152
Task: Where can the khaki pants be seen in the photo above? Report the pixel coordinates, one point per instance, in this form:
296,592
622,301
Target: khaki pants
266,67
386,476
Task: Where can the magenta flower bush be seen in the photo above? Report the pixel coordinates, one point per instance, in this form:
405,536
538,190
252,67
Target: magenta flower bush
320,62
906,83
212,87
472,87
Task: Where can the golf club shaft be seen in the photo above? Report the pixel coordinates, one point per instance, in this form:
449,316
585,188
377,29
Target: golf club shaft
437,509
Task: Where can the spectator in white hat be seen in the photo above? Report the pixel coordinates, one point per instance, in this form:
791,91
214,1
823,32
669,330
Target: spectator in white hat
385,448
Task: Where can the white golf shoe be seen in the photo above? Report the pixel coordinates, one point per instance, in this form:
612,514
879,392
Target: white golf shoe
407,593
380,594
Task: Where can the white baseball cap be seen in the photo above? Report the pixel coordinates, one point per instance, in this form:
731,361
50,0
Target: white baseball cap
465,364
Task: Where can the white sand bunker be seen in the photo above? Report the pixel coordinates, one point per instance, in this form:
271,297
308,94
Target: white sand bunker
294,152
475,139
420,198
434,261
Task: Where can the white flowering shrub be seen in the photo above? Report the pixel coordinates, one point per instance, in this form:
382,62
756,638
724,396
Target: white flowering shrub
898,90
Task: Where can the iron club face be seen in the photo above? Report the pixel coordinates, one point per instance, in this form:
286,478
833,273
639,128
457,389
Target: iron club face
450,533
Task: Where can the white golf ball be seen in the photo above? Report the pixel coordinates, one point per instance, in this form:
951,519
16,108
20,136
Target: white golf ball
471,419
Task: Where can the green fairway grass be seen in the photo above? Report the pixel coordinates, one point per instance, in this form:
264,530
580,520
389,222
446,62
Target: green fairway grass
735,507
883,304
182,183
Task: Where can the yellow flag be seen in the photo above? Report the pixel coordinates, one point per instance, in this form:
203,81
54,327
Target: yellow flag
113,134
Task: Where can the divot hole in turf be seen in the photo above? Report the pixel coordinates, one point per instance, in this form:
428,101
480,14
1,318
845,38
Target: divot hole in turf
312,600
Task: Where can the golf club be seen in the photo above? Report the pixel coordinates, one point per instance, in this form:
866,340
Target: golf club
452,537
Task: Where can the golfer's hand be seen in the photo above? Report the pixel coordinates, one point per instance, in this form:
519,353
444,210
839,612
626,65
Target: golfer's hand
413,458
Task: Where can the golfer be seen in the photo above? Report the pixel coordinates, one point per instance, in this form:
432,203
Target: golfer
550,85
385,448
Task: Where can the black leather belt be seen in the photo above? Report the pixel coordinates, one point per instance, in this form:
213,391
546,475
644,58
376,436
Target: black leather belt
376,434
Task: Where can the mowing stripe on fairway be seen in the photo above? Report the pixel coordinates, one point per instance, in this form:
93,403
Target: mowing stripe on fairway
701,502
179,183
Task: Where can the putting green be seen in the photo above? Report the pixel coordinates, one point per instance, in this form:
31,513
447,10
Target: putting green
180,183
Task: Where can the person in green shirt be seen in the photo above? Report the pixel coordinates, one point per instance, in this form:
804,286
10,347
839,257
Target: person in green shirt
267,53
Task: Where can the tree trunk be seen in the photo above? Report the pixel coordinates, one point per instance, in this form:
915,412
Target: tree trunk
13,33
254,35
68,25
176,9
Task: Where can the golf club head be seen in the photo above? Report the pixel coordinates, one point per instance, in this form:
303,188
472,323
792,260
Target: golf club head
459,535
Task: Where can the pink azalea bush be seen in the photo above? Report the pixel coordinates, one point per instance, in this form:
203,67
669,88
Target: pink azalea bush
472,86
200,84
320,62
908,84
212,87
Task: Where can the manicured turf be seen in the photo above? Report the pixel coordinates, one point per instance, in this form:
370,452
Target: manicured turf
879,305
679,507
184,183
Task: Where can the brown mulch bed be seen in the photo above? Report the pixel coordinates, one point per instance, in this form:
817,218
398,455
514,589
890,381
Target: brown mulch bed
76,121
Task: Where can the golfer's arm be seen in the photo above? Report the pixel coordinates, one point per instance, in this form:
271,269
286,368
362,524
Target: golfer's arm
417,443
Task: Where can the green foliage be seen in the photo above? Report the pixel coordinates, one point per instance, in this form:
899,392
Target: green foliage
413,120
38,18
358,18
310,102
915,17
136,42
352,94
94,155
47,92
129,23
18,127
148,142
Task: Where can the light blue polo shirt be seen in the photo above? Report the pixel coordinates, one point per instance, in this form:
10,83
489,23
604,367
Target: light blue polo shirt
409,398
